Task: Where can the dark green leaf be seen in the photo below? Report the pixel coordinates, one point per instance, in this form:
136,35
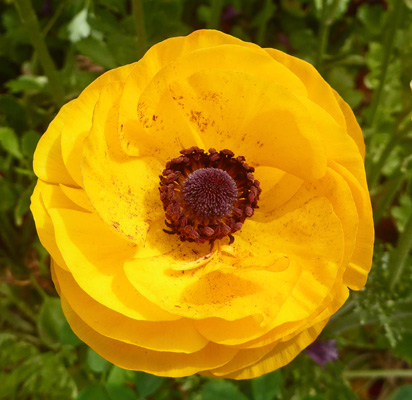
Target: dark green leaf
29,142
119,392
402,393
147,384
10,142
267,387
51,320
94,392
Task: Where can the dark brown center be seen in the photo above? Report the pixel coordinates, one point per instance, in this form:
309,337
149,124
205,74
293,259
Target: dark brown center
207,196
210,193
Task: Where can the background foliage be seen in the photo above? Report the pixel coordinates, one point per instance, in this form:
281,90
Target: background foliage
51,49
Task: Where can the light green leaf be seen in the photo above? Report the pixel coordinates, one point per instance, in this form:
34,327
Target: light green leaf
221,390
96,362
78,27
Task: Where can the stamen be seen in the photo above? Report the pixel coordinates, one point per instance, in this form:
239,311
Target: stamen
207,196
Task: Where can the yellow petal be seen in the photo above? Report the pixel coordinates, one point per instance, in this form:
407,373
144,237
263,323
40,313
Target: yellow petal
318,89
44,225
77,125
361,260
95,257
178,336
136,358
48,161
123,190
352,126
77,196
277,187
282,354
307,232
243,359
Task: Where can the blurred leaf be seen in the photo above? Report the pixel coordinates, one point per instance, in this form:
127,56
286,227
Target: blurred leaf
96,362
119,392
402,212
15,115
8,196
25,374
402,393
267,387
147,384
50,321
29,142
119,376
79,28
94,392
10,142
67,336
27,83
97,50
220,389
23,205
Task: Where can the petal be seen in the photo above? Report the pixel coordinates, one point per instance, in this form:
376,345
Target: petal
361,260
352,126
77,126
95,257
319,91
178,336
277,187
282,354
48,161
123,189
77,196
133,357
267,124
44,225
309,234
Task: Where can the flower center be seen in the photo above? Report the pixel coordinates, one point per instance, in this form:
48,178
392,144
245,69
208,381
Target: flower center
207,196
210,192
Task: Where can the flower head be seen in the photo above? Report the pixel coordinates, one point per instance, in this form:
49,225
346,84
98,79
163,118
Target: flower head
231,262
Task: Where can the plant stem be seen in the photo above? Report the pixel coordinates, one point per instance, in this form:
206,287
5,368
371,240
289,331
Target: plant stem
326,19
388,46
400,254
378,373
31,23
215,13
138,15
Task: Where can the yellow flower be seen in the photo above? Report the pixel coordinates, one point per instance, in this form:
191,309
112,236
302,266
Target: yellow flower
259,246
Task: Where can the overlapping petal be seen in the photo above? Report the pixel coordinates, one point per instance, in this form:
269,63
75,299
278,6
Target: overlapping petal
148,301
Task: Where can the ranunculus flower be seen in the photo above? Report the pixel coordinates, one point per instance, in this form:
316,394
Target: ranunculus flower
206,208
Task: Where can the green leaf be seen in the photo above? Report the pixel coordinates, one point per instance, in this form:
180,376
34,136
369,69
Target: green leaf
147,384
67,336
402,393
267,387
98,51
78,27
51,320
120,376
221,390
23,205
29,143
94,392
96,362
27,83
119,392
10,142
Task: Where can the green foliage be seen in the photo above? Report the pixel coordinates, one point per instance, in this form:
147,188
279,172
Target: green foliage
363,49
